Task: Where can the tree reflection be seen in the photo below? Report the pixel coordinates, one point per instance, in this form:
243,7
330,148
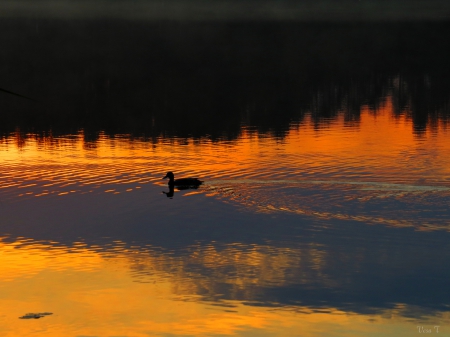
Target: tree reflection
209,79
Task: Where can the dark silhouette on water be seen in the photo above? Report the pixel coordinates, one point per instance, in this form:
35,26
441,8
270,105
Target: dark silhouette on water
170,193
183,183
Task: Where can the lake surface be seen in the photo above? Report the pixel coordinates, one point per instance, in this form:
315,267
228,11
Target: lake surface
323,147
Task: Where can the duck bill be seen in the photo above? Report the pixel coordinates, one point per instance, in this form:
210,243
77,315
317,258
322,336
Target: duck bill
165,176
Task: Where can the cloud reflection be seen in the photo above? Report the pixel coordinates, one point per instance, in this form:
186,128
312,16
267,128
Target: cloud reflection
205,290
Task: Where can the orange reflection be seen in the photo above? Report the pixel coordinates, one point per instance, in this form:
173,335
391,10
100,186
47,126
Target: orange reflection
380,149
91,292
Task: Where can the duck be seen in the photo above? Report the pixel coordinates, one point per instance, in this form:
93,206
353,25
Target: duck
183,181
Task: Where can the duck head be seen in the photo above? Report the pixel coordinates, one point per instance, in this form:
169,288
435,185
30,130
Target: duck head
170,176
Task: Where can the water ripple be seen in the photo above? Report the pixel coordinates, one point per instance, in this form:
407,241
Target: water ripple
365,174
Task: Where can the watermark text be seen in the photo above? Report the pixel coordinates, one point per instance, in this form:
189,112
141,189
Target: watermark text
424,329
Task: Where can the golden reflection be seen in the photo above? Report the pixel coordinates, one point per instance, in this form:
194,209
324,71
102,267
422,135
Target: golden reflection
92,292
381,159
380,148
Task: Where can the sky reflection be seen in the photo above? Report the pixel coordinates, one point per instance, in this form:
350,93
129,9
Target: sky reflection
90,291
285,233
322,141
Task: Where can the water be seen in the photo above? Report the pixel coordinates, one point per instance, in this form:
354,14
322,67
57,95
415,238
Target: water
283,235
322,146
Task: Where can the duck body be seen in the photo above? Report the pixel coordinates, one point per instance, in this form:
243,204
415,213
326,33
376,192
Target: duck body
182,181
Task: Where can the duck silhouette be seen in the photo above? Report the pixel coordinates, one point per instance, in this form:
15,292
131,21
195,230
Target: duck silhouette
183,183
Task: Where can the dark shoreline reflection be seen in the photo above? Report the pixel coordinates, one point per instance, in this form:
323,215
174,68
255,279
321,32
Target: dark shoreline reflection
208,79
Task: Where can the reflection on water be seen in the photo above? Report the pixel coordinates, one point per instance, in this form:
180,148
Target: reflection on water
330,228
324,154
364,173
206,79
205,288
